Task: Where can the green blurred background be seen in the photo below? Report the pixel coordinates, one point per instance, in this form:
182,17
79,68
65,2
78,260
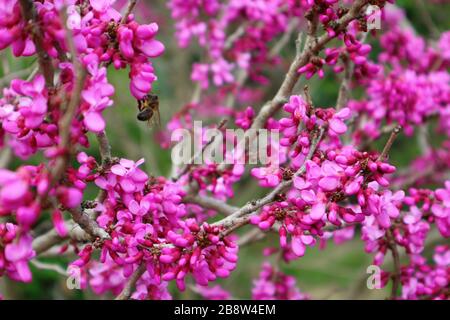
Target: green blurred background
337,272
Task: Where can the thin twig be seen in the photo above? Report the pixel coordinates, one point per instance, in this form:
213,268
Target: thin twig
49,266
396,257
235,36
252,236
211,203
51,238
6,80
130,8
104,147
65,125
106,158
389,143
130,285
344,90
88,224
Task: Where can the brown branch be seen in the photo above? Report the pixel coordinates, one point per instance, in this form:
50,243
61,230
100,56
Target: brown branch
252,236
343,95
51,238
211,203
106,158
389,143
235,36
129,286
396,257
104,148
130,8
30,15
88,224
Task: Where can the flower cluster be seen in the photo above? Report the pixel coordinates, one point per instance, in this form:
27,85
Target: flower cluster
23,109
430,282
144,218
410,95
275,285
411,228
14,255
334,174
327,176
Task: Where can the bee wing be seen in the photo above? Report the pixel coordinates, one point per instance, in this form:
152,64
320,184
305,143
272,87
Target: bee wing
157,118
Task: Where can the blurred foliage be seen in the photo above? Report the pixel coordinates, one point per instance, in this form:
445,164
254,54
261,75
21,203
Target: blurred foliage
333,273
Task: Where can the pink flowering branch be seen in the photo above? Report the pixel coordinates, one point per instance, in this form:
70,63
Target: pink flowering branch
312,48
242,216
332,178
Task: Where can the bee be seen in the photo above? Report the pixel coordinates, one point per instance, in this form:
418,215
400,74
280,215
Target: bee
149,109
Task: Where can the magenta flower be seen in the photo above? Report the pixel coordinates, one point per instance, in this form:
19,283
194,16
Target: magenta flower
268,176
385,206
441,210
213,293
131,178
275,285
18,254
200,74
337,124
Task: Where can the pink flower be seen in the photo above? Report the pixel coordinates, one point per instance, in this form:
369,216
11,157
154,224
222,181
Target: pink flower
337,124
275,285
441,210
385,206
213,293
200,74
141,75
19,253
268,176
131,178
221,70
58,223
